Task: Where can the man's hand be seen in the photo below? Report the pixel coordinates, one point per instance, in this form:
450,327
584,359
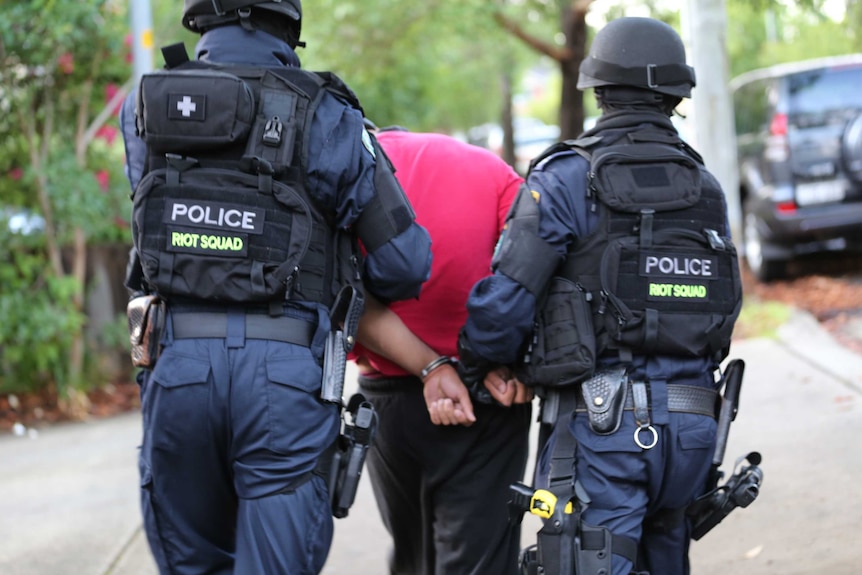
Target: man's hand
505,388
447,398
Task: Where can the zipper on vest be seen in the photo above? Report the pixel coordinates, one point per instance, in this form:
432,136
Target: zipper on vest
588,295
291,282
592,192
354,262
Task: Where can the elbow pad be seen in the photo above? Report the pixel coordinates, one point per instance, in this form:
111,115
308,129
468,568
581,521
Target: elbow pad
521,254
389,213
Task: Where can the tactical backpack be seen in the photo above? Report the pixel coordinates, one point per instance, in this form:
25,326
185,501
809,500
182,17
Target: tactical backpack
656,276
222,212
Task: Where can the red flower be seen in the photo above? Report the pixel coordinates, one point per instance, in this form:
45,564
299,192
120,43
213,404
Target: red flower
111,91
107,133
66,63
16,174
104,179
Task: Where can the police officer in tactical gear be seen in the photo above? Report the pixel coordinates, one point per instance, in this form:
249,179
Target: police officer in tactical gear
614,293
254,186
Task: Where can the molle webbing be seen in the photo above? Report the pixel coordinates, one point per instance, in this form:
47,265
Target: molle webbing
663,278
230,220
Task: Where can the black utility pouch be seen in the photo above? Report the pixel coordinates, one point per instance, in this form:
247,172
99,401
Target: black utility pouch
604,395
146,315
193,110
563,349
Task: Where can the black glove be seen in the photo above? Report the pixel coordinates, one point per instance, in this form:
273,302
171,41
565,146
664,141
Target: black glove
472,370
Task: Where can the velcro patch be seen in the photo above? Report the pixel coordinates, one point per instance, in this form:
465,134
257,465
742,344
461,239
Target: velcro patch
677,266
187,107
688,291
193,241
214,215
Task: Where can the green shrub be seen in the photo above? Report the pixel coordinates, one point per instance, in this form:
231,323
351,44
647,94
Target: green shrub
37,318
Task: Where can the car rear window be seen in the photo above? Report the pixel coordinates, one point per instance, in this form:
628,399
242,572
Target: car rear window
827,96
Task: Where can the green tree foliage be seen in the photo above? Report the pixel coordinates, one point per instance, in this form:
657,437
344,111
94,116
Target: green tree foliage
62,70
37,323
767,32
427,65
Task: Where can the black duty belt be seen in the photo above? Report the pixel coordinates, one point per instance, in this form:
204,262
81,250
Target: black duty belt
680,398
389,383
192,325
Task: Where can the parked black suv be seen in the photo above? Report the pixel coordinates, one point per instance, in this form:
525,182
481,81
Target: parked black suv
799,143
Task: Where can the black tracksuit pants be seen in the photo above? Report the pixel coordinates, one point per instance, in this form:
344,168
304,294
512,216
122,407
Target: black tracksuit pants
442,491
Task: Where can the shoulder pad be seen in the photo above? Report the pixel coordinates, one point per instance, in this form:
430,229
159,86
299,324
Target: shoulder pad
694,153
336,86
579,146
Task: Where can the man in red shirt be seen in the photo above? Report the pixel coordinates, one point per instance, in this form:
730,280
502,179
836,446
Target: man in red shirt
441,464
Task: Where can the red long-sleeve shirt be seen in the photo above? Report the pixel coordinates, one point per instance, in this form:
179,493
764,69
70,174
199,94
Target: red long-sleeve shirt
461,195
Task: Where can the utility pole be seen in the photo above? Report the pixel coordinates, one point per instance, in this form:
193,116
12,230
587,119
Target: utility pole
142,37
704,27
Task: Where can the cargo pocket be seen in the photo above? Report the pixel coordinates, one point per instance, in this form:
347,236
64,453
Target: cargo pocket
697,432
695,445
179,414
296,415
149,510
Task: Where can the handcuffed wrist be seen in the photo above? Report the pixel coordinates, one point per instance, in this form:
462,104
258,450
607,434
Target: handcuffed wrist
434,364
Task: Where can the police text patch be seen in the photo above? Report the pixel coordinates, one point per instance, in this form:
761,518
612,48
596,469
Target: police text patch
678,265
215,215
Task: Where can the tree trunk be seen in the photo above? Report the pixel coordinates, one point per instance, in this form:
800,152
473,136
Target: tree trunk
79,271
574,27
506,121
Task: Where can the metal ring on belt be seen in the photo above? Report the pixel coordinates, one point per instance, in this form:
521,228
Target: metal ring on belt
680,398
191,325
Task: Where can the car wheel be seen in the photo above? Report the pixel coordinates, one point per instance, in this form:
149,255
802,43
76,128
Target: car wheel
851,148
764,269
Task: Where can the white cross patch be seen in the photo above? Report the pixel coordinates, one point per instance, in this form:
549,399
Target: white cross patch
186,106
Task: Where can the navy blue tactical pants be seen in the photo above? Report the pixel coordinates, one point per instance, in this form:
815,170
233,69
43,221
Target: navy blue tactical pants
442,491
628,485
231,427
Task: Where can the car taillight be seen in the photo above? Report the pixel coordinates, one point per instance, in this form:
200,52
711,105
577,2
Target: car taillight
777,149
778,125
786,207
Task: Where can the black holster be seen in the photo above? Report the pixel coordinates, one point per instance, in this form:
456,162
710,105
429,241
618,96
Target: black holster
348,457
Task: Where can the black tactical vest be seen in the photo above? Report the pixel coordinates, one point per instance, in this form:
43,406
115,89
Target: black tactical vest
657,275
222,212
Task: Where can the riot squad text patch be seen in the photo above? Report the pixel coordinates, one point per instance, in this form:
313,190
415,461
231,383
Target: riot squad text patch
678,277
195,241
214,215
677,292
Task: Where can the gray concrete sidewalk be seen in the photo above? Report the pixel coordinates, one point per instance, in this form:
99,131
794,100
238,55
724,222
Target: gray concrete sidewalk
69,498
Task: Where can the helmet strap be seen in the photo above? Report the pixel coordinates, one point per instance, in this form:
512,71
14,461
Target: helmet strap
611,98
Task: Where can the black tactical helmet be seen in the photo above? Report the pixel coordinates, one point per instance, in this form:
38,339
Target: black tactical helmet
638,52
198,15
